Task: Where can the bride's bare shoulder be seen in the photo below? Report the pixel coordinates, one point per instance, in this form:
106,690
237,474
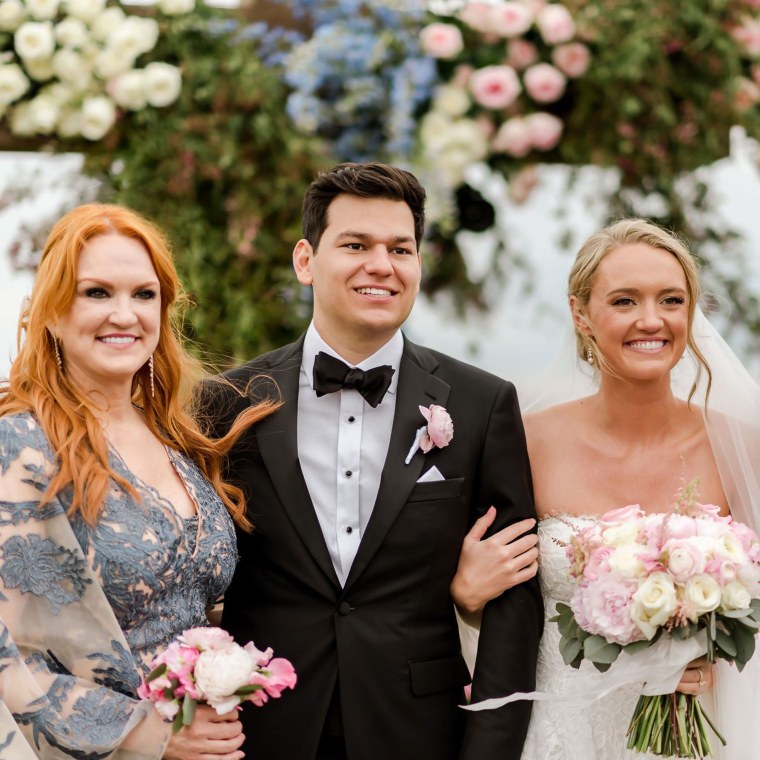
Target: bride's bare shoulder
552,422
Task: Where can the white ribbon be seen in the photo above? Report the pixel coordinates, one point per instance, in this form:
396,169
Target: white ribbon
657,669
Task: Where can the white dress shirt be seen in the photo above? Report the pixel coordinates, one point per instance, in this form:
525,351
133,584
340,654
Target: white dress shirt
342,446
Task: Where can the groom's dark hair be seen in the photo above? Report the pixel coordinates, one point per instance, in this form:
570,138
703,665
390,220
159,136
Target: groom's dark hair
362,181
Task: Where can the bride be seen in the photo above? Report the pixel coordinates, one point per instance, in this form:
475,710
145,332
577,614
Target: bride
663,388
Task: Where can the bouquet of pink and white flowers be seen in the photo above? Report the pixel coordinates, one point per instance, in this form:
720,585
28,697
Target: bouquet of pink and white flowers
206,665
641,576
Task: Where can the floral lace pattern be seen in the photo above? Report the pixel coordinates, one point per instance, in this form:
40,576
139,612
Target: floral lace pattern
564,730
84,609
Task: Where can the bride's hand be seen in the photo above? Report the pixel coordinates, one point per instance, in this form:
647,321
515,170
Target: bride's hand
487,567
209,735
697,678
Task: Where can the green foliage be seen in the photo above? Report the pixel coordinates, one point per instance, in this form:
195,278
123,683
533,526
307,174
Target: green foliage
223,172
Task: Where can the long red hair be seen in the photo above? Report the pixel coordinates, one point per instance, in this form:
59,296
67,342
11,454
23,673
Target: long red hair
68,416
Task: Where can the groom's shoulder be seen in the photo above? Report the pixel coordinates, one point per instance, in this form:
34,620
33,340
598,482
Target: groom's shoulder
267,364
456,371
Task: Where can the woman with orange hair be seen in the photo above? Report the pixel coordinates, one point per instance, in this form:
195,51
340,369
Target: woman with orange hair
116,528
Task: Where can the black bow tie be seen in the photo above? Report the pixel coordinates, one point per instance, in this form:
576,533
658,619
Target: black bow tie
331,374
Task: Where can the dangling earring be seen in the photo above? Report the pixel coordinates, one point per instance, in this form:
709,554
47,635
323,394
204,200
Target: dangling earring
152,377
58,359
589,355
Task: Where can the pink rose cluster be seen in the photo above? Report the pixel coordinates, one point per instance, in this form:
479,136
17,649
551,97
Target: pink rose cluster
206,665
638,573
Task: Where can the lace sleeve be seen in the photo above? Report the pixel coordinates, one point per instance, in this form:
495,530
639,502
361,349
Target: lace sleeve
67,677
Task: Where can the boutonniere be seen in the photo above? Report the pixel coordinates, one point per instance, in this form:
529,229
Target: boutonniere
436,434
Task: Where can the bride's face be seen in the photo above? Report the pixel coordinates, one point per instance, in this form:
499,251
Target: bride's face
639,311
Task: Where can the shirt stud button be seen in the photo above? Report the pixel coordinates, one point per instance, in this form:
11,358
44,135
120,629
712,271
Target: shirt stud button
349,530
349,473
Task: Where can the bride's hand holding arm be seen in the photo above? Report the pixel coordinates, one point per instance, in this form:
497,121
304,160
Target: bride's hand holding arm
490,566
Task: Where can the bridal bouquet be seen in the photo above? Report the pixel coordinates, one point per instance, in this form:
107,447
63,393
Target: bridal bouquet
643,576
206,665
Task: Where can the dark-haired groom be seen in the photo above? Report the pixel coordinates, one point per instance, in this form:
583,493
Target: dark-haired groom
360,505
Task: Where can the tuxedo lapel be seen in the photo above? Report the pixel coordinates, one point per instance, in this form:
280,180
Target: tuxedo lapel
416,387
278,444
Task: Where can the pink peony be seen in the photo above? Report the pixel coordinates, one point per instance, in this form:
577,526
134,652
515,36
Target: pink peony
544,83
260,658
440,428
621,515
280,675
555,24
521,54
510,19
545,130
513,138
597,564
495,86
477,16
572,59
604,608
441,40
678,526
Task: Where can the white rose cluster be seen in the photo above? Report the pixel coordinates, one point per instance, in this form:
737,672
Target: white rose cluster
67,67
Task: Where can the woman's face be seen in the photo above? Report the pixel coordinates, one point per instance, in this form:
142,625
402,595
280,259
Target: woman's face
639,311
112,327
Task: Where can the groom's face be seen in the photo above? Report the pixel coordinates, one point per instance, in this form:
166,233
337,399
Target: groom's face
365,272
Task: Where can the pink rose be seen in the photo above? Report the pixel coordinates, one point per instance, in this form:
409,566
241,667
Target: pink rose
495,86
555,24
441,40
746,94
572,59
521,54
477,16
604,608
513,138
748,36
683,558
206,638
544,83
622,515
744,533
545,130
510,19
440,428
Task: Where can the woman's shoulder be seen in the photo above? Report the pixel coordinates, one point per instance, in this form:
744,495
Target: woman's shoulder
555,419
21,432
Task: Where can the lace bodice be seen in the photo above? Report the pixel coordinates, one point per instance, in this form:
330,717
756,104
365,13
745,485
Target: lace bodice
565,730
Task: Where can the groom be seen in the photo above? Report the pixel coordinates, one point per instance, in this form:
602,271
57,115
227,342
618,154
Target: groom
359,516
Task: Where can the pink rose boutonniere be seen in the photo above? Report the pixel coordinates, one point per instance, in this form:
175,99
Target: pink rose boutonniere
436,434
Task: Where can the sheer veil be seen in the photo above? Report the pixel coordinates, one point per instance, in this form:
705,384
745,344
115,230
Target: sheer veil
732,417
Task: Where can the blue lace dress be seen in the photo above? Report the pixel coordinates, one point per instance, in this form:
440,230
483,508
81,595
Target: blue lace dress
84,610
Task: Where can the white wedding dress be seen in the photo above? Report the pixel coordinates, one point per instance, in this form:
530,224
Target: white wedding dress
569,730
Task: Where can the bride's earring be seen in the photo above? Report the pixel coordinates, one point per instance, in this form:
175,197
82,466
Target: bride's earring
589,355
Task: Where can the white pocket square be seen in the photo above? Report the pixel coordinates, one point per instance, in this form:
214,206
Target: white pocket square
431,476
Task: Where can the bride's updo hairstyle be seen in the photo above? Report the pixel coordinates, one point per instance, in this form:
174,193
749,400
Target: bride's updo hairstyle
604,242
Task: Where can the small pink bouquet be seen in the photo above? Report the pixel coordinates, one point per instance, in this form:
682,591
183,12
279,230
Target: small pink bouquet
205,665
642,576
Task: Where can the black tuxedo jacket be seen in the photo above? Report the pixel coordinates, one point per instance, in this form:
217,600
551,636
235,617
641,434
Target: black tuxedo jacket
389,637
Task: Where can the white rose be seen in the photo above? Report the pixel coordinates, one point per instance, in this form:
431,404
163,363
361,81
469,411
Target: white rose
98,116
34,40
653,603
69,124
106,22
624,533
221,672
625,562
71,32
61,93
163,83
451,100
134,36
40,69
176,7
71,67
43,10
13,83
702,594
21,122
12,15
87,10
110,63
128,90
735,596
43,113
730,547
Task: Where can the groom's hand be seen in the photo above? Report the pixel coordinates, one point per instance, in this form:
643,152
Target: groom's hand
490,566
